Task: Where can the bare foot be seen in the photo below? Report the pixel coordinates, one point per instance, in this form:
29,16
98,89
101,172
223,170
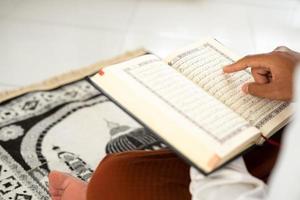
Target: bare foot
63,186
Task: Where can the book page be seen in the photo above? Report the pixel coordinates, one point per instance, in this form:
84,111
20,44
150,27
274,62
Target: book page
203,64
192,103
175,108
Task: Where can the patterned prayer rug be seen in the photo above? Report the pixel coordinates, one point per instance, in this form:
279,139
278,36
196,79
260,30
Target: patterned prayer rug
62,124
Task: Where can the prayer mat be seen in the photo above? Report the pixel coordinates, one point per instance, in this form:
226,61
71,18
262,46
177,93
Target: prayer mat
61,124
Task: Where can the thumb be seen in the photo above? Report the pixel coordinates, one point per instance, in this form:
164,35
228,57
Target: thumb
258,89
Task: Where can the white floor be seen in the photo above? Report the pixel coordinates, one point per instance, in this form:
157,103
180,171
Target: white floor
39,39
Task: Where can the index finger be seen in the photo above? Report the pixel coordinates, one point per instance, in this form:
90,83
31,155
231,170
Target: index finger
252,61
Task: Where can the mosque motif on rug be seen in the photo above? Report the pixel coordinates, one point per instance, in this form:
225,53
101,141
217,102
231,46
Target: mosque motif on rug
69,128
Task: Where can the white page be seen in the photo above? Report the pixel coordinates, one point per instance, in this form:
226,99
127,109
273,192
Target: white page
202,110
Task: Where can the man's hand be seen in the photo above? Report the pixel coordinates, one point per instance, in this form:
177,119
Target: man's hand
273,73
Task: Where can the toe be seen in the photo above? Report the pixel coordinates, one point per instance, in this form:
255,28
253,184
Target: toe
63,186
57,180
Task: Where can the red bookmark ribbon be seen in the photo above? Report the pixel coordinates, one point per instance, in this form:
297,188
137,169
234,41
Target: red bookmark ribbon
101,72
270,141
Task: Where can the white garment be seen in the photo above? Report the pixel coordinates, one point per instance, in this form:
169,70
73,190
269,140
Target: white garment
233,182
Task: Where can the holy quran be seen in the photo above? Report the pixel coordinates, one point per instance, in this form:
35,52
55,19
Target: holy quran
187,100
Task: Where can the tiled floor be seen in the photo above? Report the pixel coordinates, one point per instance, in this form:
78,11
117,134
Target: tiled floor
39,39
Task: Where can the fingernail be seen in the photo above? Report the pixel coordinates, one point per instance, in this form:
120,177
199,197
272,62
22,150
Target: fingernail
245,88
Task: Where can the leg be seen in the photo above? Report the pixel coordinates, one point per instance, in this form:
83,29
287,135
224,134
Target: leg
147,175
139,175
133,175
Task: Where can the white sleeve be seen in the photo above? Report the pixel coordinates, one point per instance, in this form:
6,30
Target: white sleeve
232,182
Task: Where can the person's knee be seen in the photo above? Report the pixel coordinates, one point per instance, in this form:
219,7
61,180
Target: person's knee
131,173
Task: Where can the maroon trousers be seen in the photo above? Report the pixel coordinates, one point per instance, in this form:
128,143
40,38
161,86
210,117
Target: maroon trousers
160,175
140,175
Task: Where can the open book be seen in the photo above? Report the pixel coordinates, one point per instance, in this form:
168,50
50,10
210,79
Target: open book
194,107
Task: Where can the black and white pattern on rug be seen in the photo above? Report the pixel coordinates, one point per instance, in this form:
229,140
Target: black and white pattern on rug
126,138
70,129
